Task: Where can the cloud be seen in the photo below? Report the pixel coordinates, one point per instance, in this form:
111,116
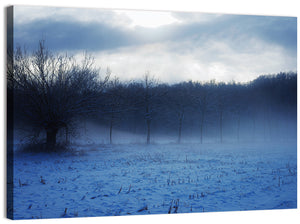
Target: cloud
215,60
28,14
106,27
149,19
237,30
195,17
68,35
197,46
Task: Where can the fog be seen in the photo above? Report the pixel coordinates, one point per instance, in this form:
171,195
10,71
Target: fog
275,130
263,111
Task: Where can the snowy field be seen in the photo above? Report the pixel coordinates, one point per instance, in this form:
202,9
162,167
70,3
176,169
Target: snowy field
127,179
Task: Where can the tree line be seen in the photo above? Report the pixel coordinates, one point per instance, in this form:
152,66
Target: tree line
52,92
264,109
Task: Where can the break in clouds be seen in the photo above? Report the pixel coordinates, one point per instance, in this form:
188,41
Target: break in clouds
173,46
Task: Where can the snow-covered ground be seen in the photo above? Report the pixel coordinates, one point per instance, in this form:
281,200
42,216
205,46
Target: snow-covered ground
128,179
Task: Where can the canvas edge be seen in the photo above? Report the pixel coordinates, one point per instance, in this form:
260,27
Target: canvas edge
9,114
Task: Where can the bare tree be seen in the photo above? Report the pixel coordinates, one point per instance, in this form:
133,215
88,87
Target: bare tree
115,103
149,83
238,104
201,97
151,94
178,100
221,105
53,90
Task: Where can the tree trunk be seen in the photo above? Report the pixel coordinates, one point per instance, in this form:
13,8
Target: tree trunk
179,130
201,128
253,129
148,119
110,131
201,133
264,124
221,126
84,123
67,135
148,131
51,138
238,129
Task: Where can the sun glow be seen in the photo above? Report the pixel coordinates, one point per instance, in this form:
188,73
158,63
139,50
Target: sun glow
148,19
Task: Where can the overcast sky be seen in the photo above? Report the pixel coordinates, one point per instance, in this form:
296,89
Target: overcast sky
172,46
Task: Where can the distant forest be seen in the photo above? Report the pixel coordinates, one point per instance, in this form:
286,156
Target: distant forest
51,94
264,109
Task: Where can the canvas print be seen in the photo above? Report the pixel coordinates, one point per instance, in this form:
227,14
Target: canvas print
124,112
